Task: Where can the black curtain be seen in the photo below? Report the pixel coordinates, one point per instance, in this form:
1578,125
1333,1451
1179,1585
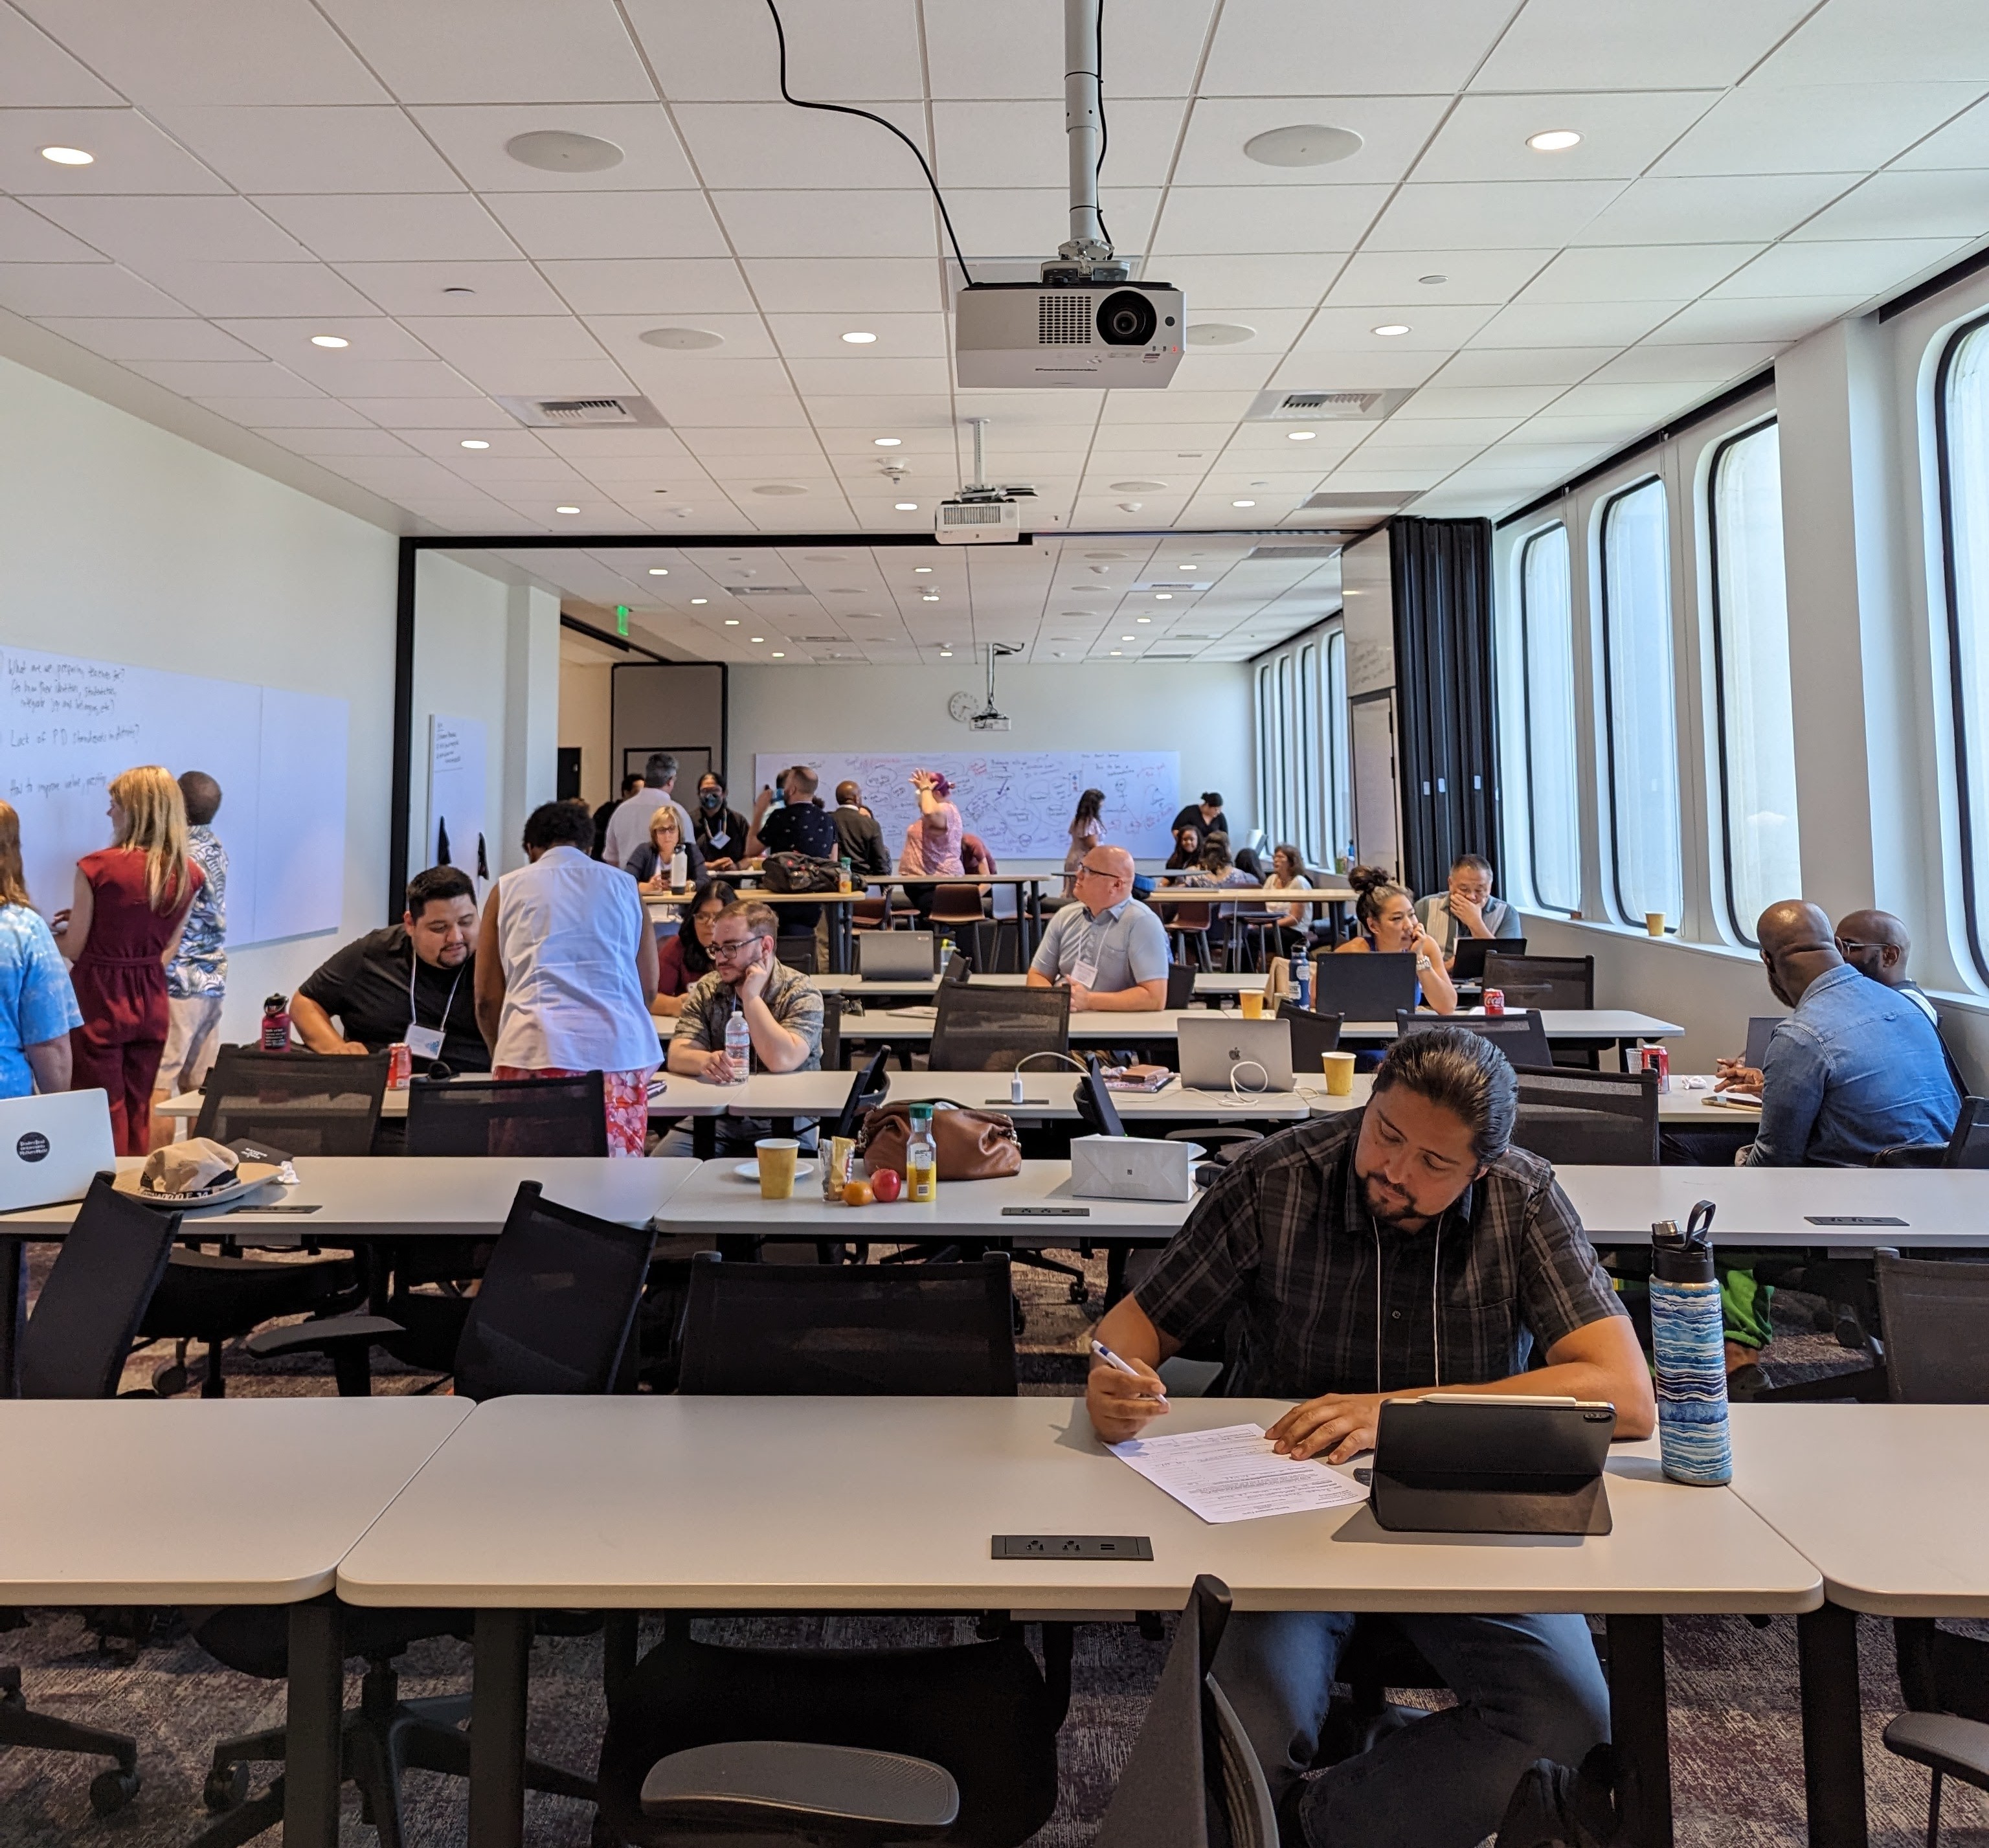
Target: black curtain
1447,740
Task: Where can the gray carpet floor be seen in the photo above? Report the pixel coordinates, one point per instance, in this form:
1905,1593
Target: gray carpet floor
1736,1736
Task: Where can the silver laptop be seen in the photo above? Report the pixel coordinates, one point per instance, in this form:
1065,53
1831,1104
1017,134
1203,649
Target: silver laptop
51,1147
1215,1045
895,956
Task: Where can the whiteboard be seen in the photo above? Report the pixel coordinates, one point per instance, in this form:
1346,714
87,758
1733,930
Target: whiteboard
279,756
1020,802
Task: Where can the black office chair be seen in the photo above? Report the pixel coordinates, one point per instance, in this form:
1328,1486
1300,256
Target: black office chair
983,1029
553,1316
304,1104
1573,1118
867,1089
1097,1109
1313,1034
508,1116
1520,1037
1967,1144
1542,981
796,950
1181,984
1193,1779
981,1712
74,1346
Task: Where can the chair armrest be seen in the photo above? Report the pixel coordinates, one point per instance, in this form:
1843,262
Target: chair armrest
1930,1155
320,1336
835,1792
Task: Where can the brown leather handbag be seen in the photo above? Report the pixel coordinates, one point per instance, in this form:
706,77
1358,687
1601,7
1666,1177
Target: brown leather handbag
971,1144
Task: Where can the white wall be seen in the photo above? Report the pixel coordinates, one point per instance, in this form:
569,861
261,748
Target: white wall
120,542
1203,710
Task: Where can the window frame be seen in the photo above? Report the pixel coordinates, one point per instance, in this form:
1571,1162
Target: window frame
1604,511
1742,931
1526,712
1944,473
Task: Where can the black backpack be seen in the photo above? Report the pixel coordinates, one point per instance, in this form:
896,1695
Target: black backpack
801,873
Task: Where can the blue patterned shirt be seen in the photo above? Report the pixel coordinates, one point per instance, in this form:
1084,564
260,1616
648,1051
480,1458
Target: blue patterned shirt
36,1002
200,966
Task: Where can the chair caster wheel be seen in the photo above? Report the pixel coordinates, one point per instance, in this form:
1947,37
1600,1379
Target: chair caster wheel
1078,1295
171,1380
109,1791
226,1788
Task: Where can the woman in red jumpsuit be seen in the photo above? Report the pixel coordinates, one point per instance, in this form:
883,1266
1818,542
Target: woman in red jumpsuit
123,924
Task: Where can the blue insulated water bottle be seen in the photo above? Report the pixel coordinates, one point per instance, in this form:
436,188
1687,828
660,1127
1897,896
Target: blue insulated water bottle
1691,1352
1302,979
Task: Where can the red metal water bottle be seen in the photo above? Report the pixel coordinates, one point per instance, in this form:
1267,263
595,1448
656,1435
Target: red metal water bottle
276,1024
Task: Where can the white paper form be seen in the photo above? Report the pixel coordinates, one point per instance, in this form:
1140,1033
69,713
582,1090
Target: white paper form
1232,1474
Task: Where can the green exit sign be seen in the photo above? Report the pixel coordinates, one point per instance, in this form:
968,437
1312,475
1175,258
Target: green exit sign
621,619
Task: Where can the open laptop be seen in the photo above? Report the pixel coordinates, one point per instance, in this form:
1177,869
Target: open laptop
1468,963
1758,1029
895,956
1213,1046
1364,987
51,1147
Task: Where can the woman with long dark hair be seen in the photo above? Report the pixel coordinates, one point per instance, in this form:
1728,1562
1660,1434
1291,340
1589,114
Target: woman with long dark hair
1386,912
1086,830
685,958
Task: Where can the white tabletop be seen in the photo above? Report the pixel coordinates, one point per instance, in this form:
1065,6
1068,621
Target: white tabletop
1890,1503
1218,982
452,1196
200,1501
854,1503
916,1022
1771,1206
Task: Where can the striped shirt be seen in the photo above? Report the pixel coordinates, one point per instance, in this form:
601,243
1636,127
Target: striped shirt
1282,1252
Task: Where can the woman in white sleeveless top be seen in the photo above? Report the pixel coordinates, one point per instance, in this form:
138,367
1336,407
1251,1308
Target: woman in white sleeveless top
566,964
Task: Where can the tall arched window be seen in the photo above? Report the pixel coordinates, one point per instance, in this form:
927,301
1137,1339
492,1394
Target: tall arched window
1961,429
1547,643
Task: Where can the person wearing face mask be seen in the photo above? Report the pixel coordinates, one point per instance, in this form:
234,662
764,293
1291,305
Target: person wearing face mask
414,982
719,831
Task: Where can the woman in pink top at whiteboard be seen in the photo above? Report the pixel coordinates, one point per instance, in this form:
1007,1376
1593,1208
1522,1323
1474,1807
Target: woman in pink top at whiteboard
937,829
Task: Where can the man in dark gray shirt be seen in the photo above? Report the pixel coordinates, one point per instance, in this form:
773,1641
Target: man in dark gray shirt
1389,1253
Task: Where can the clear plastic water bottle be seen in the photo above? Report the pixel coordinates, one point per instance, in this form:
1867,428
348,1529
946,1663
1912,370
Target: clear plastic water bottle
1690,1350
1302,979
739,1045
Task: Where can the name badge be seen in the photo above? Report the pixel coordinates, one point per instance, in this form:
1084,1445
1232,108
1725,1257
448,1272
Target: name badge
425,1042
1085,974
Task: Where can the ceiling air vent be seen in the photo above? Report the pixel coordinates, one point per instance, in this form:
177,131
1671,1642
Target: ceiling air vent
763,590
1341,502
1314,552
1324,407
1154,657
625,412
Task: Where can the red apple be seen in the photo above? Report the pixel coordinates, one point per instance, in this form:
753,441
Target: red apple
887,1185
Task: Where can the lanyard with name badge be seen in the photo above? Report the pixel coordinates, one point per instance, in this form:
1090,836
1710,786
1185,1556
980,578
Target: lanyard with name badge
425,1041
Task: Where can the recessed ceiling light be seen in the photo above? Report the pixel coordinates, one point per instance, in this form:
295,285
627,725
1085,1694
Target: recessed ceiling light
1553,141
1302,144
68,157
921,567
1164,596
1242,503
1219,334
562,151
1188,568
931,596
566,509
1389,330
474,443
1118,651
779,655
329,340
887,442
946,654
1142,618
756,638
659,571
1300,435
731,620
1138,487
907,507
857,338
1125,638
1431,281
681,340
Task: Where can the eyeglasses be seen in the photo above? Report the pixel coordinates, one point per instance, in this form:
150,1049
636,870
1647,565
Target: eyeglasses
732,948
1095,872
1846,945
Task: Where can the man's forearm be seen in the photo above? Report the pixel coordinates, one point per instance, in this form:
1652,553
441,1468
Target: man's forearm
779,1050
1147,998
314,1026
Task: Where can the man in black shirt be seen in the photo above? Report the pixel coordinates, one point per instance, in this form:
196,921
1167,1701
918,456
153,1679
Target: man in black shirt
1389,1253
858,838
802,826
414,981
605,813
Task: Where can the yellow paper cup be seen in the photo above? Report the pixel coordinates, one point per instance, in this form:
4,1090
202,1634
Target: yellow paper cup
1339,1073
1253,1005
1654,922
776,1156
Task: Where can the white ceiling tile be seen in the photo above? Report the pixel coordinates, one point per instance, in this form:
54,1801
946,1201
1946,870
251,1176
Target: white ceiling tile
1530,323
896,376
1518,366
744,337
472,138
1393,130
446,444
1865,41
1022,143
1441,432
1162,407
1030,222
1151,53
658,225
318,149
341,442
657,289
1432,327
843,284
1266,282
1594,399
396,475
150,232
1779,318
508,474
1341,48
283,413
1381,365
1819,268
1395,278
693,411
259,289
1704,365
1632,272
463,51
151,339
848,51
107,290
237,51
422,288
345,376
772,145
830,224
521,353
899,337
1211,220
36,70
688,387
132,154
434,413
1499,214
373,337
1572,45
26,237
194,378
1748,210
1900,203
1485,135
415,227
1764,128
582,446
1961,144
1273,330
1477,401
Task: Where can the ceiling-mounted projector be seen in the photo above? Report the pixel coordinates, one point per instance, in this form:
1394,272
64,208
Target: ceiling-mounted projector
979,514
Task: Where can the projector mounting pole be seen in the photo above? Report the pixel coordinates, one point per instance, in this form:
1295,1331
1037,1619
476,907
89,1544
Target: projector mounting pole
979,484
1088,257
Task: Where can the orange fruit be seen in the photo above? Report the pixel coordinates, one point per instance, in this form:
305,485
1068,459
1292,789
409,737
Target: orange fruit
858,1193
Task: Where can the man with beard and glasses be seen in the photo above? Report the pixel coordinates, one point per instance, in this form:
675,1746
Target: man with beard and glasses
1386,1253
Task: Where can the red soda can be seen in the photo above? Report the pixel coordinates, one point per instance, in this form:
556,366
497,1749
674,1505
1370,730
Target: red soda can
1658,1059
400,1065
1495,1003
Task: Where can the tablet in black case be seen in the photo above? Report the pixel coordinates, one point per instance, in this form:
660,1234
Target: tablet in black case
1491,1466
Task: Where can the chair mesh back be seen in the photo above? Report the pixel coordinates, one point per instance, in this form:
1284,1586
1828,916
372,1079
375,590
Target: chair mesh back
863,1329
508,1116
1520,1036
1542,981
1968,1147
1313,1034
989,1030
1936,1319
305,1103
87,1315
1576,1118
867,1089
796,950
1097,1108
1181,984
557,1300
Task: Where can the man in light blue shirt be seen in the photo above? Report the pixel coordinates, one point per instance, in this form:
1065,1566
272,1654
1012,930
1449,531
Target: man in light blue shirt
1110,950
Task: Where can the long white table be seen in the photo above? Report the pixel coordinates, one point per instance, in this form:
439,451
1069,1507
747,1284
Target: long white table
891,1504
1890,1503
113,1501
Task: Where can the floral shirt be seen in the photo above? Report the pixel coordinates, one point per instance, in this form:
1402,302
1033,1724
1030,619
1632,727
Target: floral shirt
200,966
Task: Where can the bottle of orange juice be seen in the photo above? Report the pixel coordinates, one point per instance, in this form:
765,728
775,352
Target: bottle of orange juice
921,1157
